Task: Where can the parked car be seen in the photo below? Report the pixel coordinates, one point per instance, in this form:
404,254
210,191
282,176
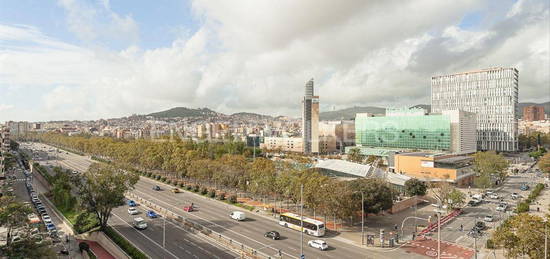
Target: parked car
47,219
488,218
156,188
474,202
273,235
131,203
50,227
515,195
524,187
502,207
319,244
151,214
132,211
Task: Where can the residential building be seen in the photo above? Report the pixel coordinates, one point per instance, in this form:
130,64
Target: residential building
492,94
430,167
284,144
463,131
533,113
343,132
310,120
528,127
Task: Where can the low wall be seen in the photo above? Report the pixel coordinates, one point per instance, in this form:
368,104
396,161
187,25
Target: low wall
105,242
407,203
36,175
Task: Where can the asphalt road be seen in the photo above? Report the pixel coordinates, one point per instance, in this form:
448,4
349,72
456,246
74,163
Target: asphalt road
178,242
451,232
215,215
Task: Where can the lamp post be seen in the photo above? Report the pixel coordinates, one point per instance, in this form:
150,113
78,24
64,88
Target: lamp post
545,239
362,218
301,221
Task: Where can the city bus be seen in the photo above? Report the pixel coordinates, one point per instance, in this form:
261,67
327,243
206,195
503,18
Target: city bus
311,226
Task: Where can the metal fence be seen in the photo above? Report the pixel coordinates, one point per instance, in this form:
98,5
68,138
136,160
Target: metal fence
192,226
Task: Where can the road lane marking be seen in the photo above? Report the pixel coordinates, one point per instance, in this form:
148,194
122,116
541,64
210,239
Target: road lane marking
216,224
148,238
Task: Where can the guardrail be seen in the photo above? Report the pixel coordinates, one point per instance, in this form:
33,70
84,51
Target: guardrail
244,251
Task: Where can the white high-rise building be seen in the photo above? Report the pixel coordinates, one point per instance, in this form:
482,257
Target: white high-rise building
490,93
463,131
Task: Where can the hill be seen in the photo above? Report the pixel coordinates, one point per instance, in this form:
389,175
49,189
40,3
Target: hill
349,113
250,116
185,112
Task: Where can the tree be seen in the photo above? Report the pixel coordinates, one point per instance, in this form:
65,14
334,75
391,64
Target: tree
414,187
520,235
378,195
441,191
544,163
490,164
355,155
103,188
13,214
456,199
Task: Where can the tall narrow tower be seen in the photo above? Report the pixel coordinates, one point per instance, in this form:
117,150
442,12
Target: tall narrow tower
310,120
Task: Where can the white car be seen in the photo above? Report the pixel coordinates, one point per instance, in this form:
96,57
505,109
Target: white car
47,219
515,195
319,244
132,211
488,218
494,196
502,207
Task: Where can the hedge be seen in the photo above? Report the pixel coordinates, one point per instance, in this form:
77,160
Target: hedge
132,251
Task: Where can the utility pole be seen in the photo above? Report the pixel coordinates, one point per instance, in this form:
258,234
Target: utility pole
301,221
254,147
362,218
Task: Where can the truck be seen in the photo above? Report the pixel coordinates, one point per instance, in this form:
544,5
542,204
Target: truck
140,223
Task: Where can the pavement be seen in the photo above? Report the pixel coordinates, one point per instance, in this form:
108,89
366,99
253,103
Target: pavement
22,195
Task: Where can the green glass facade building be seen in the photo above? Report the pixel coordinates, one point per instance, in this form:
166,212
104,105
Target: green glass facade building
422,132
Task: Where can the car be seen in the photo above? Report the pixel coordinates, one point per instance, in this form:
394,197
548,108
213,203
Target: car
474,202
131,203
46,218
320,244
515,195
188,208
132,211
238,215
50,227
176,190
478,196
273,235
156,188
502,207
524,187
480,225
42,210
488,218
494,196
151,214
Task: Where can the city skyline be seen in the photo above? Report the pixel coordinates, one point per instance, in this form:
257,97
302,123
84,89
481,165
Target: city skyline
102,59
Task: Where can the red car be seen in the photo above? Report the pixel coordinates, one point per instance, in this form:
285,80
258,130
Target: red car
188,208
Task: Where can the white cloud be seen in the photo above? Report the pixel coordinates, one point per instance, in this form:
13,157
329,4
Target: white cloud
375,53
5,107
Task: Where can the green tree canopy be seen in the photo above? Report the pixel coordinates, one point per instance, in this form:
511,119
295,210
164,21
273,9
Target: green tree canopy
103,188
490,164
415,187
522,234
355,155
378,195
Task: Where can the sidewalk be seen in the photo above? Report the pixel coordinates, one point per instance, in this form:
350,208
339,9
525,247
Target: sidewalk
98,250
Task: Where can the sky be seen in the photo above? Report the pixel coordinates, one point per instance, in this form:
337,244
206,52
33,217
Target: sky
92,59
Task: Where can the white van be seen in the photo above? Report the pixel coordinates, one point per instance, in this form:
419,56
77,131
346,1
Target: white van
140,223
237,215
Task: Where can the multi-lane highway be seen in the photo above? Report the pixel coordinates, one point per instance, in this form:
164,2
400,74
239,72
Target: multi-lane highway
214,215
